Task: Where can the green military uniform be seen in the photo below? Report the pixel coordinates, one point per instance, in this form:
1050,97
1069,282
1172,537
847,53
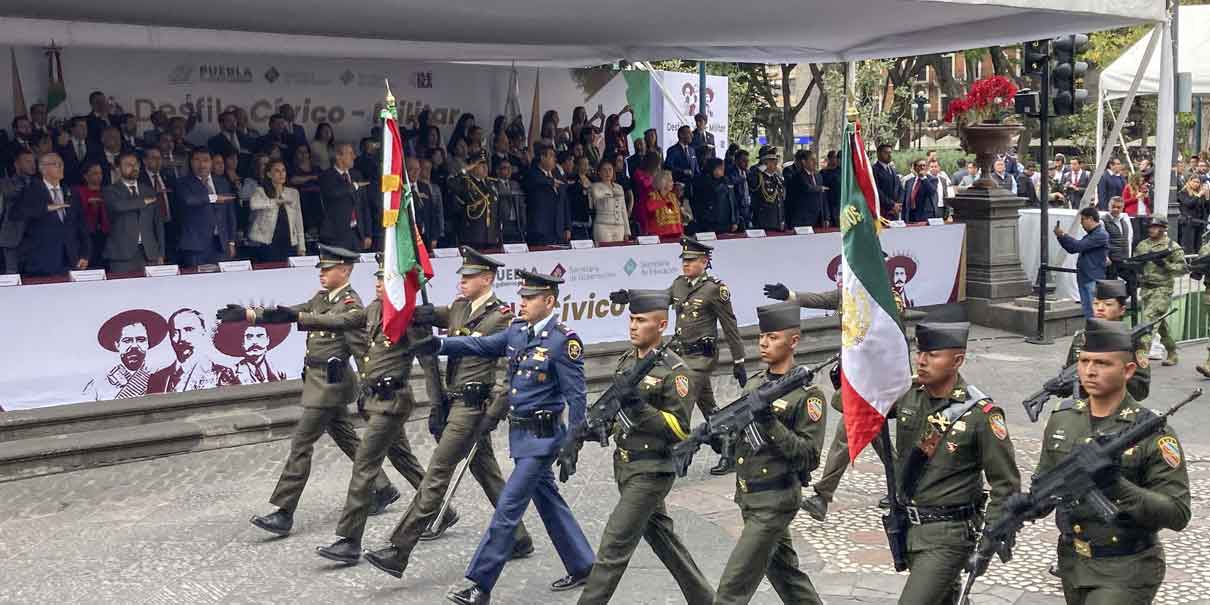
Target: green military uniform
644,471
1139,385
479,204
1121,561
768,485
1155,286
1204,369
946,445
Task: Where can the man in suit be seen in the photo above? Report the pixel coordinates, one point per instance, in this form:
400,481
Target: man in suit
346,222
804,194
547,220
1121,234
227,141
76,150
1093,252
129,129
107,156
12,226
635,161
830,178
39,120
886,180
207,218
136,229
919,194
1113,182
1025,184
298,134
192,369
159,124
99,119
703,140
1074,182
681,159
279,135
1004,179
175,161
158,180
55,240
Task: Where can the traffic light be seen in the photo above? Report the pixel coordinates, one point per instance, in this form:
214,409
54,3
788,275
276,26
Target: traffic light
1067,71
1034,56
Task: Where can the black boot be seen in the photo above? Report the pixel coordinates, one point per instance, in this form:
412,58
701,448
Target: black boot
522,549
472,595
448,521
389,560
277,523
383,498
725,465
816,506
570,581
344,550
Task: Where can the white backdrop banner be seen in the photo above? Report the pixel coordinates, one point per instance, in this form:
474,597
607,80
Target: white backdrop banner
77,342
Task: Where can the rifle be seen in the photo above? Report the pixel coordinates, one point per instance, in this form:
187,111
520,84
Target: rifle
1082,475
482,428
1200,264
1064,384
1141,259
729,422
601,415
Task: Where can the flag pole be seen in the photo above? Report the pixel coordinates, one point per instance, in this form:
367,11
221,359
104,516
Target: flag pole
407,181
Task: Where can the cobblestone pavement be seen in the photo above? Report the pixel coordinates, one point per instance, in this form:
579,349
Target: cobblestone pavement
175,529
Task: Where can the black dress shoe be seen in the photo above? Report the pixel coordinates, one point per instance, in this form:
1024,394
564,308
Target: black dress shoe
725,465
569,582
815,506
383,498
522,549
885,503
448,521
388,560
472,595
344,550
278,523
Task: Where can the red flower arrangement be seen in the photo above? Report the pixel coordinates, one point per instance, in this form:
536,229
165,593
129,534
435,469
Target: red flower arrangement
987,100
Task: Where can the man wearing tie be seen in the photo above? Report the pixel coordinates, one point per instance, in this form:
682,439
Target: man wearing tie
207,219
886,180
346,222
158,180
546,219
76,149
1075,181
226,142
136,232
55,239
681,158
919,194
703,140
111,146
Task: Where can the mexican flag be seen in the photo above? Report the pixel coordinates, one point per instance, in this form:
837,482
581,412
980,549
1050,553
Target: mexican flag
406,266
874,352
56,90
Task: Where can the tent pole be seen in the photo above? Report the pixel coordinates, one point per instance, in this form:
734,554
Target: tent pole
1121,139
1165,131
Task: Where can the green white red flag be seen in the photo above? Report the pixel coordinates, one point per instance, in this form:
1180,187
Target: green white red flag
406,266
874,355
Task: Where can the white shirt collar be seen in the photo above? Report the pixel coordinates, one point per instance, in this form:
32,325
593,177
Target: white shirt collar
332,294
482,300
49,186
542,324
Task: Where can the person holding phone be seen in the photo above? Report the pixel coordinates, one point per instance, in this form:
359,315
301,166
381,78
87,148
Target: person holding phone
1093,252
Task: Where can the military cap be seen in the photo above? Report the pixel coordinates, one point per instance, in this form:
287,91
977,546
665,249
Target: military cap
768,152
778,316
691,248
1159,220
1110,288
331,256
646,301
939,335
537,283
378,258
1102,336
475,262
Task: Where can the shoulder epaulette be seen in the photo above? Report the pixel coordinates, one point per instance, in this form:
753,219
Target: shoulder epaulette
1066,404
673,361
518,320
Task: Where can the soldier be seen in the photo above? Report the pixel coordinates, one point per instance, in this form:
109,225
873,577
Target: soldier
1109,303
768,189
768,481
1120,561
702,303
386,397
949,435
659,408
477,390
479,203
546,374
335,323
1155,282
1203,369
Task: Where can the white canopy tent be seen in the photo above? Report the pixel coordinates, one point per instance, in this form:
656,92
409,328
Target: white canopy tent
1192,54
560,32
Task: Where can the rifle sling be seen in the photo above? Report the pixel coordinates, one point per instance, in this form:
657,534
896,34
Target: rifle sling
952,413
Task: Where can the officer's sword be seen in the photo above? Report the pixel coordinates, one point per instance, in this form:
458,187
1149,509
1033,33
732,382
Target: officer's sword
453,487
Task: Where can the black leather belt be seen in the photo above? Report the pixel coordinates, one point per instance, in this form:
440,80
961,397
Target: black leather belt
706,347
383,388
635,455
921,515
1121,548
764,485
320,362
473,395
542,423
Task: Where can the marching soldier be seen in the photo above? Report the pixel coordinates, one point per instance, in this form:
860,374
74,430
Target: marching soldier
386,399
1155,282
643,467
768,481
702,304
476,391
546,374
768,189
334,320
1120,561
1109,303
949,435
479,203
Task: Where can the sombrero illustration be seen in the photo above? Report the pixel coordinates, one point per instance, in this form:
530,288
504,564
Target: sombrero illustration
229,338
111,330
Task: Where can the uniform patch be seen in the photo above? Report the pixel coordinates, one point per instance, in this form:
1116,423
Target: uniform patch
724,293
1170,450
814,408
349,301
574,348
779,405
951,447
682,385
987,407
999,428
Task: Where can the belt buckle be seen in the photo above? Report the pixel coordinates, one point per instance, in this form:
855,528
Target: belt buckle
1082,548
743,485
913,515
624,455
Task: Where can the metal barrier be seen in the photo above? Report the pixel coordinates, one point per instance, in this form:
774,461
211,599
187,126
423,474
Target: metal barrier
1190,320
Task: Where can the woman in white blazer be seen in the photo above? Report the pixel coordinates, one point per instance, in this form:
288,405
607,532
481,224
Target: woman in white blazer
608,202
276,217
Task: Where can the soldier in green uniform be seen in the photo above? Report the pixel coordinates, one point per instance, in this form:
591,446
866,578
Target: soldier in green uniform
658,411
335,321
386,398
476,390
1109,303
948,436
768,481
1155,282
1121,561
478,202
1203,369
702,303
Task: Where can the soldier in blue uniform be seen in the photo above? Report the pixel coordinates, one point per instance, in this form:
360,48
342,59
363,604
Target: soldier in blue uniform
546,374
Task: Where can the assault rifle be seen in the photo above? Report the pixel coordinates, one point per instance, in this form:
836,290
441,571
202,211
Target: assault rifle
1082,475
601,415
1200,265
1141,259
1064,384
728,423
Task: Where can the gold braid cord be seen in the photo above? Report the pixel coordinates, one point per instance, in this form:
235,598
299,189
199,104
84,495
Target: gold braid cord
480,203
771,189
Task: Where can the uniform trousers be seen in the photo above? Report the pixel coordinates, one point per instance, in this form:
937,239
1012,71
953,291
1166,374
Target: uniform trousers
385,437
313,423
1125,580
935,557
765,550
838,461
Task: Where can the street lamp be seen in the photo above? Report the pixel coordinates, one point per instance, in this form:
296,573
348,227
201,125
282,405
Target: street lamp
922,104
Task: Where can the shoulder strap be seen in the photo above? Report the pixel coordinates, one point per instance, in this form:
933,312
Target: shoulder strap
955,411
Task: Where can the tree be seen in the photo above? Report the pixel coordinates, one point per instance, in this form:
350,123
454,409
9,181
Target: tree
776,109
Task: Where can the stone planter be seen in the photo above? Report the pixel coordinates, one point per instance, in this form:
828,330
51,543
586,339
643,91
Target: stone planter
986,141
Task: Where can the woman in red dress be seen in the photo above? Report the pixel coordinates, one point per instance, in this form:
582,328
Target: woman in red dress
663,208
1136,196
96,220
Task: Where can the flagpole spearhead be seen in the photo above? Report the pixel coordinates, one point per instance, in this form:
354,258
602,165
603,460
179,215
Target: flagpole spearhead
389,110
